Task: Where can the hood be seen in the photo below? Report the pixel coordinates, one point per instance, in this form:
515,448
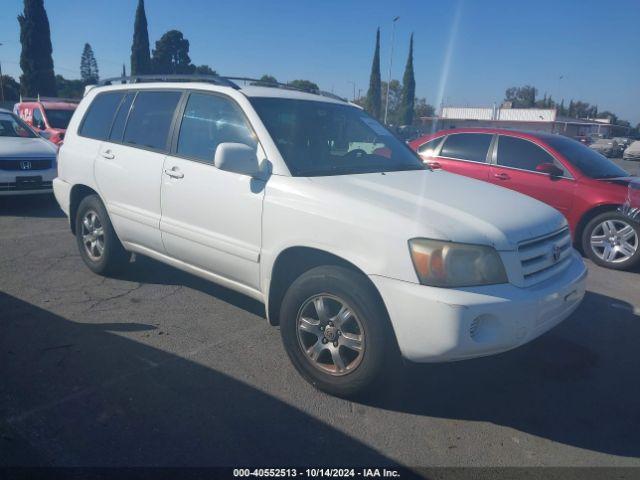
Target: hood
440,205
18,147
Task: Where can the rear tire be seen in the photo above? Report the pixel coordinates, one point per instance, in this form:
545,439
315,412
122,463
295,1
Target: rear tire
349,348
98,243
612,240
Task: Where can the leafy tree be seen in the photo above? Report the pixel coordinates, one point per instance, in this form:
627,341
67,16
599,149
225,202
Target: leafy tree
36,61
10,88
266,81
123,74
140,58
205,70
171,54
408,96
562,111
521,97
305,85
69,88
88,66
395,95
423,109
374,94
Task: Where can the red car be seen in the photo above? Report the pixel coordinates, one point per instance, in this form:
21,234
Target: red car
584,185
48,117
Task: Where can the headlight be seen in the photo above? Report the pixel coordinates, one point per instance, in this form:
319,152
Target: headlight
447,264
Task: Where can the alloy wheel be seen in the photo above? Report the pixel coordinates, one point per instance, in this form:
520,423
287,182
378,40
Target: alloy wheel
330,334
92,235
614,241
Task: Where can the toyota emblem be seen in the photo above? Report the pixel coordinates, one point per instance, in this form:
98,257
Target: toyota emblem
557,251
25,165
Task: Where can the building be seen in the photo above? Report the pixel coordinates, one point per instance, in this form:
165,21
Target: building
532,119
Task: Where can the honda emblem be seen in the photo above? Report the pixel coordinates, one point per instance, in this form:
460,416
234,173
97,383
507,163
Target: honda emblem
25,165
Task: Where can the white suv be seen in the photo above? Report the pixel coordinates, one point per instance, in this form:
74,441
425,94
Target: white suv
306,203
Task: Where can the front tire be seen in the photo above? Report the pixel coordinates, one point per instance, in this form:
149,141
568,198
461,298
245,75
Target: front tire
335,330
612,240
97,242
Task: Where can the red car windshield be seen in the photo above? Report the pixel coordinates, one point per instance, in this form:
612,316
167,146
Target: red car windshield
585,159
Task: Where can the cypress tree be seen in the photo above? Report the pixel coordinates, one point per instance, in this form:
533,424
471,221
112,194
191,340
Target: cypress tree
36,61
140,56
88,66
408,96
374,97
123,74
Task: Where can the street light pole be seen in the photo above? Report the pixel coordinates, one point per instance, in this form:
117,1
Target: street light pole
386,103
1,83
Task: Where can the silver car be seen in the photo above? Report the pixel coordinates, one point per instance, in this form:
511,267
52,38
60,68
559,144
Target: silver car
606,146
632,152
27,161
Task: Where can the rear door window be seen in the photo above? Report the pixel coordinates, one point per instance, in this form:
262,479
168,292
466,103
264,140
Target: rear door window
121,117
97,122
150,119
467,146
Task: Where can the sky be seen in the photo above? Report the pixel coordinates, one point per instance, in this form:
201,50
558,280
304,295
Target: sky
466,52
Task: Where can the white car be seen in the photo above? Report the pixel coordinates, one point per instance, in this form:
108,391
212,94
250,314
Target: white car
27,161
358,252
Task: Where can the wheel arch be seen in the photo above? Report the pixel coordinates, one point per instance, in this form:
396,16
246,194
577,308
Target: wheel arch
588,216
293,262
78,192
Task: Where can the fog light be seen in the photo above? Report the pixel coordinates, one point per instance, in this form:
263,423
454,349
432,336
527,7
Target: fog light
484,328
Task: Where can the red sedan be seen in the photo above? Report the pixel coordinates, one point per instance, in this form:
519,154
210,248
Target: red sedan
585,186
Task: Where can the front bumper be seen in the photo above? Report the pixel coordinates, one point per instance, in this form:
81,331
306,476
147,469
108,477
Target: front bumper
26,182
439,324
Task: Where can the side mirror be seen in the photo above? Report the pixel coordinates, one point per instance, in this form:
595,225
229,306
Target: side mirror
550,169
237,158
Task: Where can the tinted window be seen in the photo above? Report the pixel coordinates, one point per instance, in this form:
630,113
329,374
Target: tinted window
322,138
467,146
121,117
97,121
587,160
38,121
518,153
150,119
12,126
208,121
58,118
428,149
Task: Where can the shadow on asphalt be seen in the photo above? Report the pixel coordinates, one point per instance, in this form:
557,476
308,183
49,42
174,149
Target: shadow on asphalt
577,385
80,394
36,206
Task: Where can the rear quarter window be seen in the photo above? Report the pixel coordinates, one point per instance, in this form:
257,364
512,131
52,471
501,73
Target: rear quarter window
99,117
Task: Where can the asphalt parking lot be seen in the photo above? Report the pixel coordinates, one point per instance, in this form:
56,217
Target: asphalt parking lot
157,367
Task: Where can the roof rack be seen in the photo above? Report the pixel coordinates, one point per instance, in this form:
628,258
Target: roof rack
287,86
215,79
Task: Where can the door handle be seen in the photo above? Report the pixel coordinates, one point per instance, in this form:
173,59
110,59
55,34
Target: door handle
174,172
108,155
502,176
434,165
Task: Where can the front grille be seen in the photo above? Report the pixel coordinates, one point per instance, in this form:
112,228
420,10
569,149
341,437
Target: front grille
543,257
17,187
26,164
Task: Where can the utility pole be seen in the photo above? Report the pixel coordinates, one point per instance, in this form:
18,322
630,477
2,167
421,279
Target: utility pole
1,83
386,103
354,90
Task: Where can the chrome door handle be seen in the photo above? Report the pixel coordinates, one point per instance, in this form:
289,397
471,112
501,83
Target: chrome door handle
174,173
502,176
108,155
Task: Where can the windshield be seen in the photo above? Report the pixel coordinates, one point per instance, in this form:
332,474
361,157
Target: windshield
12,126
318,138
587,160
58,118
